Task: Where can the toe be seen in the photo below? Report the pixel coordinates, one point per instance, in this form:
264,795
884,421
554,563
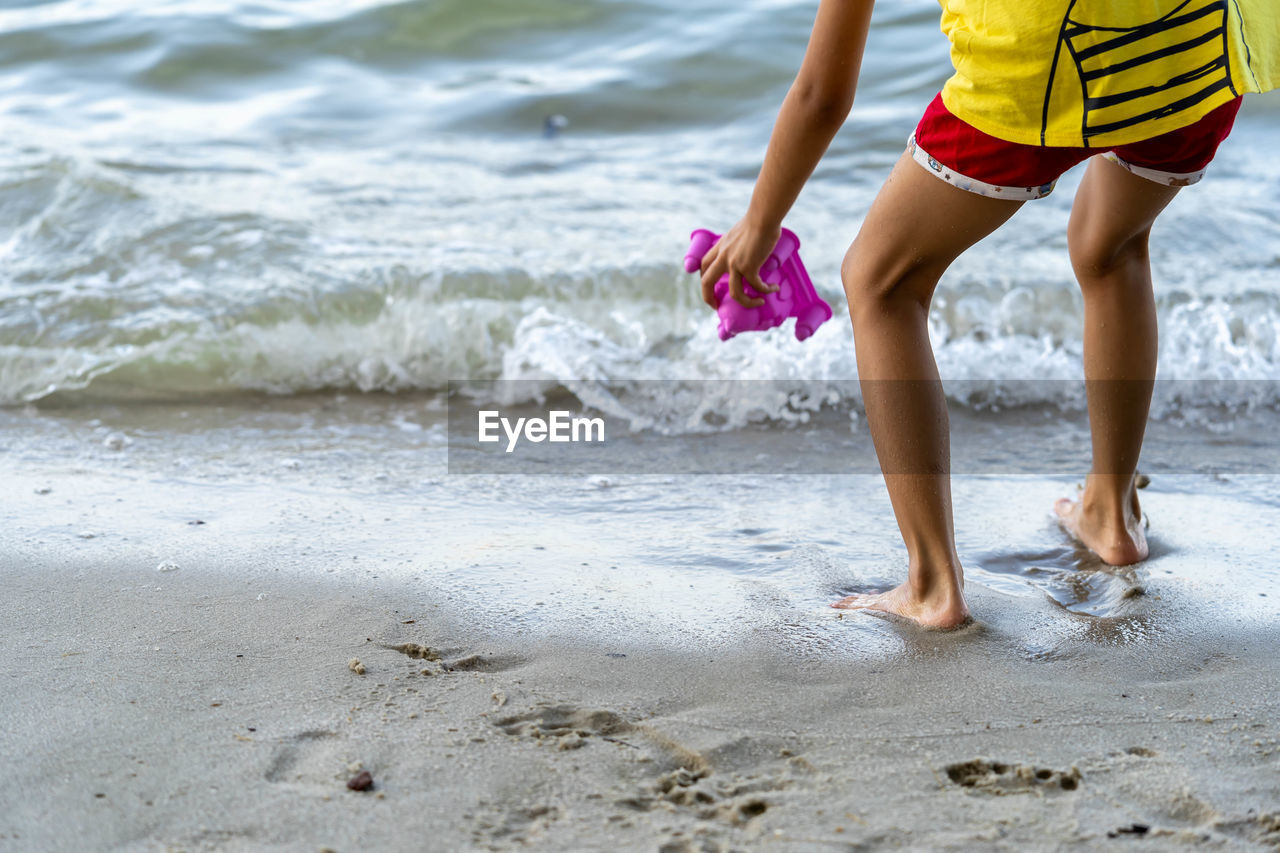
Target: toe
856,601
1063,507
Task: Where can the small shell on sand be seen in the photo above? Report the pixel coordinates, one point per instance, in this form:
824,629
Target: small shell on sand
356,667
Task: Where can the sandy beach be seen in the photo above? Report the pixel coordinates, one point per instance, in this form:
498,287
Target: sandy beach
181,686
266,261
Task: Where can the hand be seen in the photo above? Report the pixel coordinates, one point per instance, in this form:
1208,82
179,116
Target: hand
740,252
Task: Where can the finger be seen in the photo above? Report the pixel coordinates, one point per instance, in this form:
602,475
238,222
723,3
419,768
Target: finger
739,295
713,254
709,293
761,287
709,279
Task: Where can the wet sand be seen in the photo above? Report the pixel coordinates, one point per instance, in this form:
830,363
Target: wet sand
200,709
215,715
206,642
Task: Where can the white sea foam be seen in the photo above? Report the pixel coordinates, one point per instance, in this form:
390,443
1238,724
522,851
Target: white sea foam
260,198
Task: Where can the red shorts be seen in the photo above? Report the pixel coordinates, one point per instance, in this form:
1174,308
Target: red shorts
970,159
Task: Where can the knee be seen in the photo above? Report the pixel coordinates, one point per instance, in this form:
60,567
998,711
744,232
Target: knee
1097,257
872,281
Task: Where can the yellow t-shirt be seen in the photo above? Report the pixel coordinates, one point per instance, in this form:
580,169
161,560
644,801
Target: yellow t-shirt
1103,72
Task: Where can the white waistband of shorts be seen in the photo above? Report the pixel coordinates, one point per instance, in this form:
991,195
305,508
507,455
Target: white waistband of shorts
1169,179
972,184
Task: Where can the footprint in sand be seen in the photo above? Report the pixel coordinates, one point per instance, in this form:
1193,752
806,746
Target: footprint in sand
486,662
998,778
1261,829
519,825
301,749
568,727
685,783
478,662
735,800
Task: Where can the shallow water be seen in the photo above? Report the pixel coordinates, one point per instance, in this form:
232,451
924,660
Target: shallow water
360,488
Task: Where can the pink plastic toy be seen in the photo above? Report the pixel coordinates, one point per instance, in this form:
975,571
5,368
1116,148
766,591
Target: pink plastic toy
795,296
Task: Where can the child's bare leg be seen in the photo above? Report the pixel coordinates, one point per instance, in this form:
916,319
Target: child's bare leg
917,226
1110,225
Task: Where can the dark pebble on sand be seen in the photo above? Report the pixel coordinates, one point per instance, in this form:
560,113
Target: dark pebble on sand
614,654
1131,829
362,781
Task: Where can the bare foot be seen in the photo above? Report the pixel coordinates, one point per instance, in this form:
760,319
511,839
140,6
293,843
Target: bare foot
1115,536
943,612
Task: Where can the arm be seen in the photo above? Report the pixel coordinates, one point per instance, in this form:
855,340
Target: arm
812,112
